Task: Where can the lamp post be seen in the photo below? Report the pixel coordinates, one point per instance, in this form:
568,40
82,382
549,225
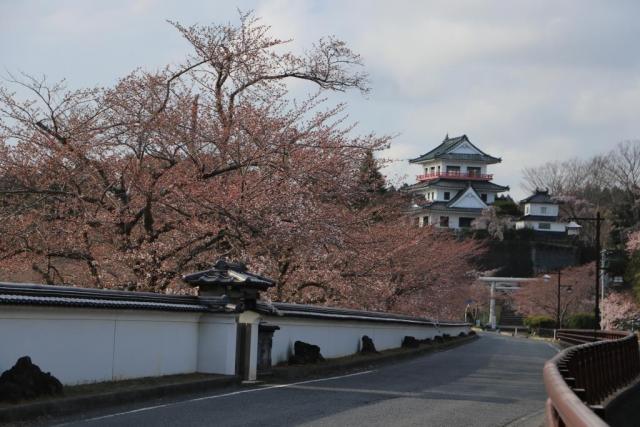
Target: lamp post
598,220
546,278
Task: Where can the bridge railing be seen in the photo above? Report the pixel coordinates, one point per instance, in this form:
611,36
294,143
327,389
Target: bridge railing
581,378
582,336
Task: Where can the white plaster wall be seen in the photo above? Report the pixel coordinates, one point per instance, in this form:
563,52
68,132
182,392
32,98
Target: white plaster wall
491,197
87,345
79,345
536,209
464,166
342,338
453,220
452,194
433,163
555,226
217,344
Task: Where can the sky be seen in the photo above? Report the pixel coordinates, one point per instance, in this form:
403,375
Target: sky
527,81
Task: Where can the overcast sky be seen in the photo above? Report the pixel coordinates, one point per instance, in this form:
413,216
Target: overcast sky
528,81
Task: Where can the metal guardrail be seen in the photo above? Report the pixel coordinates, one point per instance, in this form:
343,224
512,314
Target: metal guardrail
580,379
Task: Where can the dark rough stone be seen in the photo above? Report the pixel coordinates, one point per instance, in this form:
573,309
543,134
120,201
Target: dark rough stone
26,381
410,342
305,353
462,334
367,345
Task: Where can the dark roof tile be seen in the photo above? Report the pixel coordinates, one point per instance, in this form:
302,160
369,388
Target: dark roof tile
448,144
540,196
539,218
31,294
300,310
226,273
458,184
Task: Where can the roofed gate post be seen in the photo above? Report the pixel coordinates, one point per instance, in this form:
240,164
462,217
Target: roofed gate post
240,290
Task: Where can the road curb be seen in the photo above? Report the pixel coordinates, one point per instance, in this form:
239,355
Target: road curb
70,405
363,361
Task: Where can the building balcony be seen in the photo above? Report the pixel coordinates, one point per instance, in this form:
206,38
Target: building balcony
466,176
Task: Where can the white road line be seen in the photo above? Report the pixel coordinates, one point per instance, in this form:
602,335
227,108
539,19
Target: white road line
234,393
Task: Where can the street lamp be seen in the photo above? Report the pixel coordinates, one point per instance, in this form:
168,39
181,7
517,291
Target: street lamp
547,278
466,308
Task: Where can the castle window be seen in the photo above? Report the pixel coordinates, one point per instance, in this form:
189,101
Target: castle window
447,195
544,226
465,222
474,170
543,209
483,196
444,221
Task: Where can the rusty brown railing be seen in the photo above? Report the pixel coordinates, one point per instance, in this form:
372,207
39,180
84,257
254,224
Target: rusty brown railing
582,336
580,379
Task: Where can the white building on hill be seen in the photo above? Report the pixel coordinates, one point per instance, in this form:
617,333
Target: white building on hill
541,213
454,187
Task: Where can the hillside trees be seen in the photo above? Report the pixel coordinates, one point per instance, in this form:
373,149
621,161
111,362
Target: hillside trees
133,185
540,298
607,182
620,311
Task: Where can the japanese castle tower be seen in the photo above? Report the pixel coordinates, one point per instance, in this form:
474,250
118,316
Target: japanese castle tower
454,187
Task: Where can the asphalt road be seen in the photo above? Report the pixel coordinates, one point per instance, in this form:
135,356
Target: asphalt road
493,381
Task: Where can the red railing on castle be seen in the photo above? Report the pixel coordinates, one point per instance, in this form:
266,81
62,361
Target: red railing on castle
472,176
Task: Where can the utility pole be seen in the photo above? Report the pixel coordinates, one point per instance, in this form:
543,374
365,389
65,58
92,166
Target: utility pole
598,220
558,306
598,268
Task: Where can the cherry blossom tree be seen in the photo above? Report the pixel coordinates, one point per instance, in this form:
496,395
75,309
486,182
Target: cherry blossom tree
133,185
539,297
495,224
633,243
620,311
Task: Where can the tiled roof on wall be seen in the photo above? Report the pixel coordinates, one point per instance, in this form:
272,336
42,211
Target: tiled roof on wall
46,295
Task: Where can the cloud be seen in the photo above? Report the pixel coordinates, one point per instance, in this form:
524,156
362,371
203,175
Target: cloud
529,81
